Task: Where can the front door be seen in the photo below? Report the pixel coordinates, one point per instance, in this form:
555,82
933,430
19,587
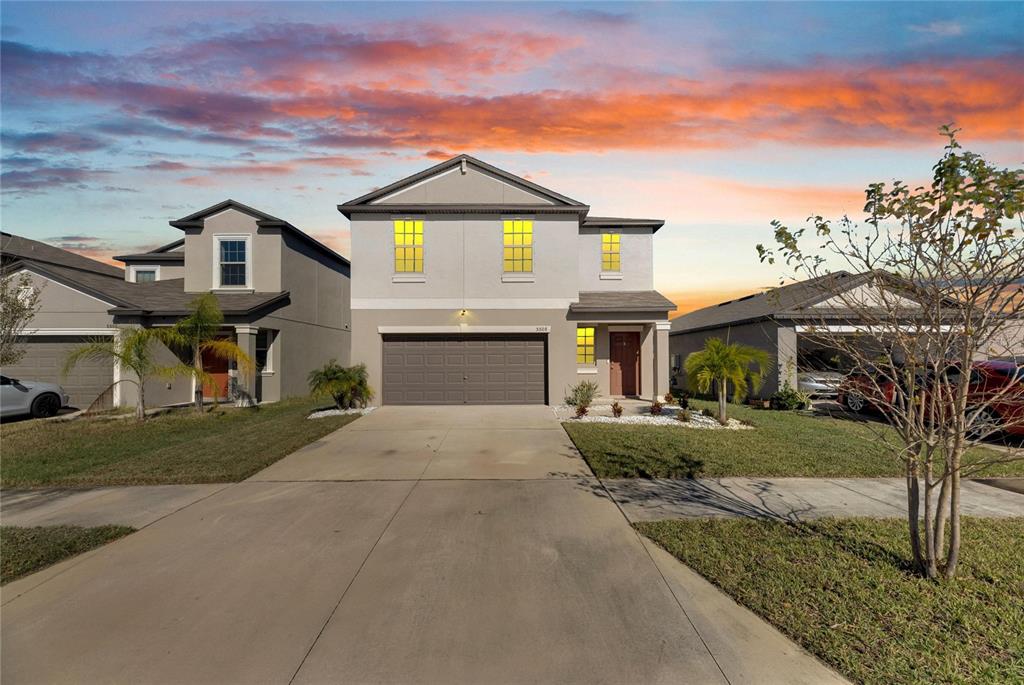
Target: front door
217,386
625,364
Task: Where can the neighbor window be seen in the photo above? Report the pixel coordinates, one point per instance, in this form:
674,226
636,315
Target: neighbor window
408,246
518,245
585,345
233,262
610,255
145,276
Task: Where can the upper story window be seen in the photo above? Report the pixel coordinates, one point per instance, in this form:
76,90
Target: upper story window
518,245
408,246
145,275
611,256
233,261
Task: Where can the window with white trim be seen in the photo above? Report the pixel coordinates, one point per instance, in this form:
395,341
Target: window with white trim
408,246
585,354
264,350
517,245
611,257
233,262
145,275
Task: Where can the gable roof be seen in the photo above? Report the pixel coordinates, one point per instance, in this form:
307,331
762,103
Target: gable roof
770,303
263,220
14,247
164,253
366,203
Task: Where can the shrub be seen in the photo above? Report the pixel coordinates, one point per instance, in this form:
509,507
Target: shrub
581,410
683,415
656,407
349,386
684,401
789,399
581,394
669,397
616,409
708,413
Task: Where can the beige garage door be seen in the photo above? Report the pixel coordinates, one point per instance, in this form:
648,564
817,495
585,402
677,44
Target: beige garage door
464,369
45,359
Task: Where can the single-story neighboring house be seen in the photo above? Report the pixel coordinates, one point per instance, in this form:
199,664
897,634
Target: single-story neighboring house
284,295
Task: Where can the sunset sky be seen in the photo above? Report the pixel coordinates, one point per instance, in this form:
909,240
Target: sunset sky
717,118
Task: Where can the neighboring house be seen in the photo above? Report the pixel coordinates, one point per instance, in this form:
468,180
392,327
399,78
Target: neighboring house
475,286
782,321
284,295
777,321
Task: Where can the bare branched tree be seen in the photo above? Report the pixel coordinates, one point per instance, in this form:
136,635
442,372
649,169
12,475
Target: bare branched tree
19,302
938,285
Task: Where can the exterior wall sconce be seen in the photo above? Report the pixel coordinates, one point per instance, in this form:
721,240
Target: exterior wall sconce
463,312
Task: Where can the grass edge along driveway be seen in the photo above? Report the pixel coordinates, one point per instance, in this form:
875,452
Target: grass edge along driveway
782,444
843,589
27,550
223,445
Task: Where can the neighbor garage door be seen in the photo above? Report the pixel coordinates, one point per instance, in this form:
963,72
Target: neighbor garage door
45,359
464,369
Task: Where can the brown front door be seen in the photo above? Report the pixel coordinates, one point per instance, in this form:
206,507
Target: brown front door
625,363
217,388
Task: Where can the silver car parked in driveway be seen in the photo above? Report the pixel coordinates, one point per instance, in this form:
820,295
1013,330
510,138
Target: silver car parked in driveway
819,383
18,397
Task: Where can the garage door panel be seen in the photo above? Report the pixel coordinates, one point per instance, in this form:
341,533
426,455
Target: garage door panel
44,361
491,369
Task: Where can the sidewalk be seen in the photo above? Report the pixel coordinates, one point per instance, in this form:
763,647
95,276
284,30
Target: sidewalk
133,505
791,499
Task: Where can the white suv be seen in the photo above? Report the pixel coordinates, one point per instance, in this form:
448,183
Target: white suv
30,397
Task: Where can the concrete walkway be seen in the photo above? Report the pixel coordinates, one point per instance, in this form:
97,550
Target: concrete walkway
791,498
334,565
135,506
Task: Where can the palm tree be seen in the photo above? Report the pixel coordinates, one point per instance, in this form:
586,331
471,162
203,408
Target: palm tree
132,350
198,333
721,363
347,386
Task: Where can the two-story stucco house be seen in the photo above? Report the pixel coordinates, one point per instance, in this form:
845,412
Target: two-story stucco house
473,285
284,295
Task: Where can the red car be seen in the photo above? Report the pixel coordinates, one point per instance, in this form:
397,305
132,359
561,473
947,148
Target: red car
858,392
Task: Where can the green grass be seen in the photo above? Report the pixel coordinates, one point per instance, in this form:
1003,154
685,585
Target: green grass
842,589
782,444
180,447
27,550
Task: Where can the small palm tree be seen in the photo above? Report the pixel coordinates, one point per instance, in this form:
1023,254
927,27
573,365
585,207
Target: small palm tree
131,349
721,363
198,333
347,386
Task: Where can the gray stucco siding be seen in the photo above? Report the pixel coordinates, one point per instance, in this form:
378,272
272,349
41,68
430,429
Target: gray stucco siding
200,246
636,255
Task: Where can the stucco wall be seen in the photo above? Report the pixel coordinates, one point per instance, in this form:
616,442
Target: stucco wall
165,271
637,258
265,244
764,335
62,307
462,262
476,186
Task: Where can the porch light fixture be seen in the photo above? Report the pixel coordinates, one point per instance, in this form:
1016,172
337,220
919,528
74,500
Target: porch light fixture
463,312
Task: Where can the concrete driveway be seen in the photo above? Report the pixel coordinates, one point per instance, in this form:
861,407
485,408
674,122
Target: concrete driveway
416,545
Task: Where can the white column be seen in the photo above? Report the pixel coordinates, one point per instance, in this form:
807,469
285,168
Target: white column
246,377
662,372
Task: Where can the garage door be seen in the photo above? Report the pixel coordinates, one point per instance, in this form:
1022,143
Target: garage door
45,359
464,369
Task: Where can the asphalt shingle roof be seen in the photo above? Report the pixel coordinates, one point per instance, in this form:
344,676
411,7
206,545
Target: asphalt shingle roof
14,246
622,301
764,305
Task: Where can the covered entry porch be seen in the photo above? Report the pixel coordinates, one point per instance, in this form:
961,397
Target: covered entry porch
622,342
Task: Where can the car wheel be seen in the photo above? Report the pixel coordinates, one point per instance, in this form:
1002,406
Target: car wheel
855,402
45,405
987,425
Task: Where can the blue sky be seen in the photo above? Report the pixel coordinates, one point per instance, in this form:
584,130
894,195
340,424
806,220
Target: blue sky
716,117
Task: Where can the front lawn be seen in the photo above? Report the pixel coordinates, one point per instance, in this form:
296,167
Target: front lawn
27,550
842,589
782,444
223,445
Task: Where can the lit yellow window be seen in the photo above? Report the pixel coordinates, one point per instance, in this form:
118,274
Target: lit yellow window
408,246
585,345
518,245
611,259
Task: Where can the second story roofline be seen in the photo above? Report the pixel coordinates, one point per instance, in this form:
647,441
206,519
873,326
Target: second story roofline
348,210
263,220
621,222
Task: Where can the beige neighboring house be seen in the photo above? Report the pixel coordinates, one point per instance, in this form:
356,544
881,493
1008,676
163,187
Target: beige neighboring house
475,286
285,298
